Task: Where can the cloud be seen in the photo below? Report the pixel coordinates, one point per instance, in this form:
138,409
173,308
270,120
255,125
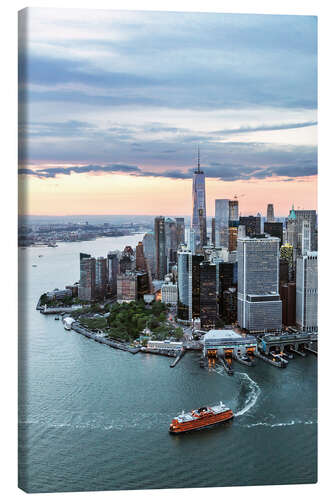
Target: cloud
264,128
46,173
221,171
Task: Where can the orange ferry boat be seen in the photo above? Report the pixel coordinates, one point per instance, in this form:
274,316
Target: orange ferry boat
200,418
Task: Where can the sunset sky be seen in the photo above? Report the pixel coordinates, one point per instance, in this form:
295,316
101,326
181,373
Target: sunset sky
115,103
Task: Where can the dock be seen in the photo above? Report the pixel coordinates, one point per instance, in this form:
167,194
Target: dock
178,358
312,351
229,370
278,364
297,352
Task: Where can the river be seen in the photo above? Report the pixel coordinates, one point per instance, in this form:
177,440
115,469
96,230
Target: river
95,418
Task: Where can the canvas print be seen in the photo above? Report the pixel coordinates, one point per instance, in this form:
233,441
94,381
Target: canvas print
168,250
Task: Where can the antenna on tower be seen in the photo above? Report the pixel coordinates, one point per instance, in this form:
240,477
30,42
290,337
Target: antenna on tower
198,158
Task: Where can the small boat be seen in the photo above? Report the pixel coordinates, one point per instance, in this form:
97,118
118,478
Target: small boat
57,317
34,265
40,256
205,416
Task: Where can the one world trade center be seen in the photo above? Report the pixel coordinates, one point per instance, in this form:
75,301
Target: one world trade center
199,226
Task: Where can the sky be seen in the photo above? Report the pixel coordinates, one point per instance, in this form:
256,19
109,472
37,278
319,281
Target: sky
113,106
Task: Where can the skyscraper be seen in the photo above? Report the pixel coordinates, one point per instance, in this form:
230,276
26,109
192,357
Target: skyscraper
139,257
306,237
180,229
251,223
307,292
222,223
87,278
160,253
101,277
208,298
149,249
259,304
274,229
213,232
233,210
112,267
199,206
299,216
184,306
170,241
270,212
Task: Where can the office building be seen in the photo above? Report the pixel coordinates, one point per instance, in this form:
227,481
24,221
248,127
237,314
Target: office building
184,305
140,263
233,210
127,284
171,245
212,239
306,237
199,207
287,254
127,260
143,284
196,260
160,253
169,293
251,223
87,278
288,298
112,269
208,299
222,223
101,277
233,234
307,292
180,231
274,229
149,250
259,303
270,212
229,306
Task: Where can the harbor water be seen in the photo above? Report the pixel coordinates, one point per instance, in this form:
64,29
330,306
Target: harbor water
95,418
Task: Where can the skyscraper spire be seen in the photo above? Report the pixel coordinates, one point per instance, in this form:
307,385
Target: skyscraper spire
198,158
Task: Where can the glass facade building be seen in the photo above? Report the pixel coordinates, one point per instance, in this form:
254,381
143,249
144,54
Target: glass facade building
160,253
222,223
307,292
199,224
184,305
259,304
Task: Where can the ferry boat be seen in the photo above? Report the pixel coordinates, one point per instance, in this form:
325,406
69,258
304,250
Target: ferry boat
200,418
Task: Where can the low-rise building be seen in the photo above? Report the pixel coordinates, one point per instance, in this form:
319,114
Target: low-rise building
227,341
169,293
164,344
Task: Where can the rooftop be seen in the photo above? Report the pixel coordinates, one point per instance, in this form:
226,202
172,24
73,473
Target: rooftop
222,334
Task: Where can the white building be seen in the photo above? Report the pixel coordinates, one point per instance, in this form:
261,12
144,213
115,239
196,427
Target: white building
307,292
164,344
221,340
306,237
259,307
169,293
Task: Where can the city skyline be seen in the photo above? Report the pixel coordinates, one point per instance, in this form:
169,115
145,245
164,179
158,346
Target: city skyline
114,121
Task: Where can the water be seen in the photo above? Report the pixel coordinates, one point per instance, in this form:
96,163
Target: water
94,418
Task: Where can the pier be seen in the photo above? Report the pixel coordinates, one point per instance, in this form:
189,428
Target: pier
229,370
296,351
178,358
102,340
278,364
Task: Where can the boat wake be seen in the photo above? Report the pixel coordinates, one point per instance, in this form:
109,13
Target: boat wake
252,396
247,384
281,424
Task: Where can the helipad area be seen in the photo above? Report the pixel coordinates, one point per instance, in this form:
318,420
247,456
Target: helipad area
227,339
